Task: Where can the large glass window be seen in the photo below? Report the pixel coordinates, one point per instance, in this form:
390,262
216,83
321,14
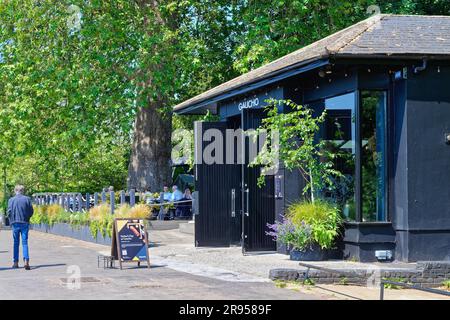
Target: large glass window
373,155
340,136
362,163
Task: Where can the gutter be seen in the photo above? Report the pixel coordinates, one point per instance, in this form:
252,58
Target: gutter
273,78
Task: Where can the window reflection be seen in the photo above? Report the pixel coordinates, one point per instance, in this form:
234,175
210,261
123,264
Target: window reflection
373,155
339,135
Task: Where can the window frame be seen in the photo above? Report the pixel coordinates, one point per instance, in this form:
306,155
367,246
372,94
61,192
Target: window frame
358,157
358,151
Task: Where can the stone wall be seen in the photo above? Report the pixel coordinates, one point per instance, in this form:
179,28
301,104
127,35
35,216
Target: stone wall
425,274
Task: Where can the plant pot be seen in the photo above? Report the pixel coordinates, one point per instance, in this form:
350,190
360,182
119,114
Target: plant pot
314,253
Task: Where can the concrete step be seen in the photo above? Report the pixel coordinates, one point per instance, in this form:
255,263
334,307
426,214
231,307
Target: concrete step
187,227
166,224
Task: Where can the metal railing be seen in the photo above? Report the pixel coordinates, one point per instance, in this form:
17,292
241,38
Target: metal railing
383,282
410,286
309,266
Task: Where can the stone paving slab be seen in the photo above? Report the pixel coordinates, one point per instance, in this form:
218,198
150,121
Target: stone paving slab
54,260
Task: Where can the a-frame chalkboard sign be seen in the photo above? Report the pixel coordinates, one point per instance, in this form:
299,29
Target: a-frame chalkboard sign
130,241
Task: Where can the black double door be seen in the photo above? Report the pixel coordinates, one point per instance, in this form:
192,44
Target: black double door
218,221
258,202
233,209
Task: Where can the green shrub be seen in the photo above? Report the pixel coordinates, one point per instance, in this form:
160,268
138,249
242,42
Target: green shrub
323,218
446,284
394,286
99,218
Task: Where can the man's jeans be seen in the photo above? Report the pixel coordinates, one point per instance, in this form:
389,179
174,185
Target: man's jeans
20,230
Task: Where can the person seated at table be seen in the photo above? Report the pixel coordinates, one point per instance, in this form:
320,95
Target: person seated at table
184,209
177,195
167,196
187,194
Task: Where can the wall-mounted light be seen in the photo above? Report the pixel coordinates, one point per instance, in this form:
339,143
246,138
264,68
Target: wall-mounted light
447,138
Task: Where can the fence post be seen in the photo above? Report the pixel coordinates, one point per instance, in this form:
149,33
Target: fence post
69,197
88,201
95,199
122,197
64,201
103,196
132,198
80,202
161,208
111,200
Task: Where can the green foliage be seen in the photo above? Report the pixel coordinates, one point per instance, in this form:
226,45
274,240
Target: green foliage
343,281
322,217
99,219
393,286
69,96
446,284
292,140
308,282
280,283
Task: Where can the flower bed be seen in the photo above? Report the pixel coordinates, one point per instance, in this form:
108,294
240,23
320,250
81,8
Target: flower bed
94,226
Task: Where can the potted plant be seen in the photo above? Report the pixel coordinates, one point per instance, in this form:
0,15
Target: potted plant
309,230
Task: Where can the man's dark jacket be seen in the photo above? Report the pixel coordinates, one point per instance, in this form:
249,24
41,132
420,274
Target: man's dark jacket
20,209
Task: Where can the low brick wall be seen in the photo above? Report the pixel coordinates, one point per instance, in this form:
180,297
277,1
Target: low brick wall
426,274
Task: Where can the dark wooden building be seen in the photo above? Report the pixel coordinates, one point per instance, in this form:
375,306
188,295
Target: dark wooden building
386,83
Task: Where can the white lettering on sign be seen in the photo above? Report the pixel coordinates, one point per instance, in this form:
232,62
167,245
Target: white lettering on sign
248,104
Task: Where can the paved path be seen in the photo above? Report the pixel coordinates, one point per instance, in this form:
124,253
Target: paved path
52,257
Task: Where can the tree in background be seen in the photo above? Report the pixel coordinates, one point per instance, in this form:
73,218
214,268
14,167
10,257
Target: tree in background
86,87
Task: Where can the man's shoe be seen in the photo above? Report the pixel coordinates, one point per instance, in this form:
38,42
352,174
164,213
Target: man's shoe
27,265
15,265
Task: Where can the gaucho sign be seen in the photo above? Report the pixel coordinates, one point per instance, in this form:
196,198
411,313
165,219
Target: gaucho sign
257,101
248,104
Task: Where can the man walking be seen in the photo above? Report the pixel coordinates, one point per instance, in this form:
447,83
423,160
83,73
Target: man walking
20,211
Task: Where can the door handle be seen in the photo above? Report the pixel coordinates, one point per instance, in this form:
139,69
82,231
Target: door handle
233,203
247,192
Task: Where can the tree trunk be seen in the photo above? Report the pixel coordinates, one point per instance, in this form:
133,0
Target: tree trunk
150,162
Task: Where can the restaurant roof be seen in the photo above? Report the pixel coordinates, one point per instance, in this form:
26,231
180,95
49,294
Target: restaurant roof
378,36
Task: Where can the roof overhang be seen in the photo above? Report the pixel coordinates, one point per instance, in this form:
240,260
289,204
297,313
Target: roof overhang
210,104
